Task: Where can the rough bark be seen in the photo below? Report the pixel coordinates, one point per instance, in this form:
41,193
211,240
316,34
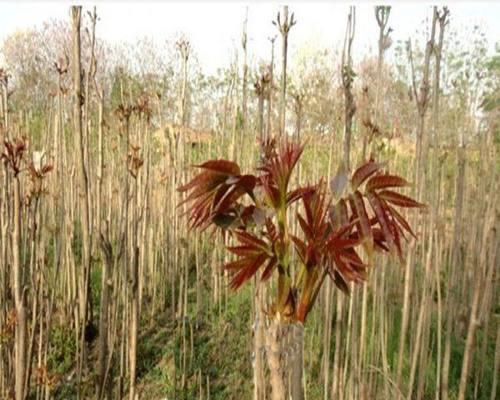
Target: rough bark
285,358
297,361
275,358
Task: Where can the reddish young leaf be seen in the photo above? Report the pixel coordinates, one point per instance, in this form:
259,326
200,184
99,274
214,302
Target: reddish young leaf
246,182
271,192
315,227
397,238
358,206
47,168
247,271
277,169
308,232
301,248
399,199
363,173
338,280
214,193
228,194
251,240
299,193
339,214
268,269
252,252
385,181
224,167
352,257
244,250
378,209
401,220
236,265
336,244
347,270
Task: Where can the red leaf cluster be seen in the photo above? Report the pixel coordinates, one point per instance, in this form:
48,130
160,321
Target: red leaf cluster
214,192
276,172
331,232
253,253
380,225
13,154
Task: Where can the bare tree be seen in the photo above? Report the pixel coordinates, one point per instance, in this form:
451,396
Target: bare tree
271,90
244,43
384,41
421,94
348,75
19,279
78,102
284,28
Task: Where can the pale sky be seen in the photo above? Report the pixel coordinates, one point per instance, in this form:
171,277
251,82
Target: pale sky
214,28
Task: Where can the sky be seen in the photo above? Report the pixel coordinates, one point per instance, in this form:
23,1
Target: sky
214,28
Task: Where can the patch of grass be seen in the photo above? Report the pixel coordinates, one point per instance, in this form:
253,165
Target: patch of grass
217,352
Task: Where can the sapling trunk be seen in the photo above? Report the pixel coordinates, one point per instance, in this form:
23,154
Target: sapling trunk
259,344
284,28
19,295
270,92
275,357
81,144
107,265
244,97
297,361
285,357
347,75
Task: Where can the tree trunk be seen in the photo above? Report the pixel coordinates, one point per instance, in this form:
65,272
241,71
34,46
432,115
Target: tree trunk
134,293
297,361
275,359
107,252
5,104
284,27
382,16
455,263
481,286
79,139
496,369
347,80
270,93
284,351
20,332
284,50
259,345
261,117
422,100
244,97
